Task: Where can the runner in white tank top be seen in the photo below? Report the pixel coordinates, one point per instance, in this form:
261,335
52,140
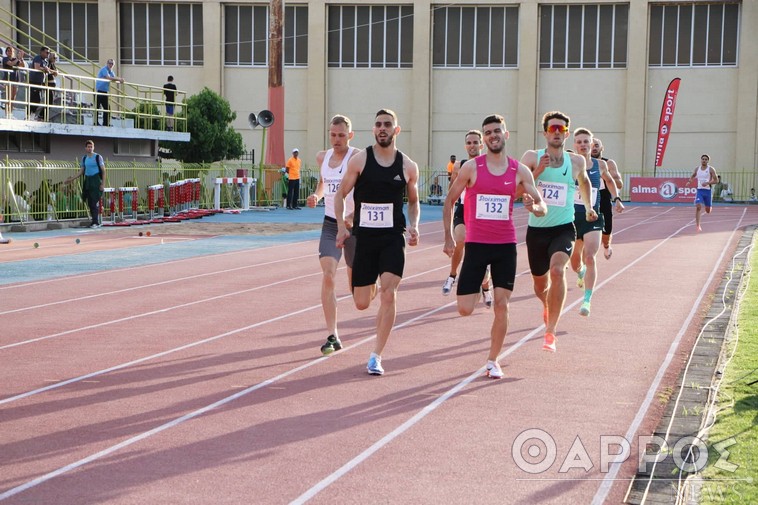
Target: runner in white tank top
333,164
705,175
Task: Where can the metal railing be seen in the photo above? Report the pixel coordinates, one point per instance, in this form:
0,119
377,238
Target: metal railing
74,101
33,190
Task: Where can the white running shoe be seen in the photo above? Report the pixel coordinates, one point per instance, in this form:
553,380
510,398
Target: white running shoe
493,370
487,297
374,366
448,286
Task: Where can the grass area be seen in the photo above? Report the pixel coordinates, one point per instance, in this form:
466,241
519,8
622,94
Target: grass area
737,420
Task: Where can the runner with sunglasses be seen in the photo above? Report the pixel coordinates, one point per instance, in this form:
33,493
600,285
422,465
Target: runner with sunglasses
550,239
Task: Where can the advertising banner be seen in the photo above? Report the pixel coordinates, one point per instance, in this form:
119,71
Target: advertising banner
661,190
667,118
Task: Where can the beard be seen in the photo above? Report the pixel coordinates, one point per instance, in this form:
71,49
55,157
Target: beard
384,142
497,149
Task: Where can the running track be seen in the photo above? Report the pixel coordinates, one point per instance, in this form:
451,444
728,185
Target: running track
198,379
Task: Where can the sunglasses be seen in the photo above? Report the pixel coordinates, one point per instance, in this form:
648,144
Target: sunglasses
556,128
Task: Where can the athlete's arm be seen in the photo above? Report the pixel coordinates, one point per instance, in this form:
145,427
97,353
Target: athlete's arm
694,174
610,184
714,177
354,169
614,170
410,168
318,193
579,171
460,182
533,201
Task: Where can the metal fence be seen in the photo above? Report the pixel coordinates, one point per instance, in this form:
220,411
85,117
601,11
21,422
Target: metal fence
34,190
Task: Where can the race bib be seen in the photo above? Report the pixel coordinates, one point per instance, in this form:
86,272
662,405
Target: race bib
578,197
493,207
554,193
331,186
376,215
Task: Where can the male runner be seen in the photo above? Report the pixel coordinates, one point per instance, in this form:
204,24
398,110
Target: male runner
705,176
380,174
473,144
490,182
333,163
550,240
606,205
588,233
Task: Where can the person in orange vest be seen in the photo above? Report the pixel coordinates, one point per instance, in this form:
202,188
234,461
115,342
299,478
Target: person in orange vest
450,165
293,173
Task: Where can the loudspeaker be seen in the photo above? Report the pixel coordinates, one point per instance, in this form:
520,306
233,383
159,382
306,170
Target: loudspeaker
265,118
252,120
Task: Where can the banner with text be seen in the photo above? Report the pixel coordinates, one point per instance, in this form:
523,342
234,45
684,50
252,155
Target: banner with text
661,190
667,118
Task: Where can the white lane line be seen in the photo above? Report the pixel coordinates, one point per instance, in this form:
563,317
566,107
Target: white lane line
186,346
137,438
605,486
152,285
360,458
386,439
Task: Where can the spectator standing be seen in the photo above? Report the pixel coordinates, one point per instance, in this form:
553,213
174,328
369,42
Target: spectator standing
38,79
92,167
169,91
753,198
51,76
450,166
717,188
292,168
11,64
103,87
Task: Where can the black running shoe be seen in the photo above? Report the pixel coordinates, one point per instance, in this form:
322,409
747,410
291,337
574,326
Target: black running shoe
332,344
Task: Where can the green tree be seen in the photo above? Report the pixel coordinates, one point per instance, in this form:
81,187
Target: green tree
212,138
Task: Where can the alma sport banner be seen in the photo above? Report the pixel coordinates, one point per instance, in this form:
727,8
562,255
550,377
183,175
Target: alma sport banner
661,190
667,118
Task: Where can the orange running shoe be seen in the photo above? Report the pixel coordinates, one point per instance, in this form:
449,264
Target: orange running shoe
549,344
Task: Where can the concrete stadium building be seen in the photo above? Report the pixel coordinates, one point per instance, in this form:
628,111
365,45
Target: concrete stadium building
443,67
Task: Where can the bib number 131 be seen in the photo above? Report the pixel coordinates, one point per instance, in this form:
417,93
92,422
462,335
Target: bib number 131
376,215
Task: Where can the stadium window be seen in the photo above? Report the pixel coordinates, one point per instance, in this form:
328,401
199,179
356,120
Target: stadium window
694,34
68,28
475,37
246,35
583,36
370,36
161,33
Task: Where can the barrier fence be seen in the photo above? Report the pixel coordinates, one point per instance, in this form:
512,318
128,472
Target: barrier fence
34,190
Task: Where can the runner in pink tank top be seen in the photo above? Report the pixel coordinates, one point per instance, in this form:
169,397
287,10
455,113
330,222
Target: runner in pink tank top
490,182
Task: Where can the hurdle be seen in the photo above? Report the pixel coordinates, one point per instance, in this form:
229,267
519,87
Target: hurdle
109,194
246,183
151,190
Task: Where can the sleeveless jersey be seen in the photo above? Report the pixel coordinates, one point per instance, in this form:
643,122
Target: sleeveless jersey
488,206
557,187
594,174
378,197
332,178
703,176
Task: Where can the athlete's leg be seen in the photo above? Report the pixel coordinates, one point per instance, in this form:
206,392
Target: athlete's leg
328,295
459,233
576,255
500,323
385,317
591,247
698,209
556,294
